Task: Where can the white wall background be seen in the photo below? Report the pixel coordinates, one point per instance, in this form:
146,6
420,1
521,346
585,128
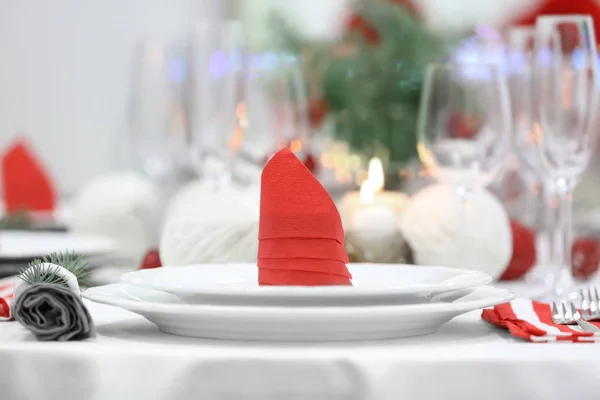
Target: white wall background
64,64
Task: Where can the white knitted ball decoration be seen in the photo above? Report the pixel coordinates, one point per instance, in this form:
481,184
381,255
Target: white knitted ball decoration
123,206
476,237
205,224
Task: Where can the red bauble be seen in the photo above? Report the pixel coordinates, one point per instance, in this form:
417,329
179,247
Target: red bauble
151,260
356,23
317,110
561,7
523,257
310,163
585,256
463,126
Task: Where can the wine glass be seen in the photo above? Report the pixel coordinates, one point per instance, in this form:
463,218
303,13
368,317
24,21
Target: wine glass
277,109
218,97
565,99
158,109
464,124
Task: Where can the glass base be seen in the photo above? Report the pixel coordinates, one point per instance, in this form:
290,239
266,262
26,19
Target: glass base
559,287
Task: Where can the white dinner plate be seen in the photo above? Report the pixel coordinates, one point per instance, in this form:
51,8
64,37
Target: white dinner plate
23,245
373,284
295,323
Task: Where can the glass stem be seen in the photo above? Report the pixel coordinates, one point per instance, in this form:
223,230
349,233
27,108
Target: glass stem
547,225
563,239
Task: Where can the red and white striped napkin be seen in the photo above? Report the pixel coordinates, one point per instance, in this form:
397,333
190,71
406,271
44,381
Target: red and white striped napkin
6,297
532,320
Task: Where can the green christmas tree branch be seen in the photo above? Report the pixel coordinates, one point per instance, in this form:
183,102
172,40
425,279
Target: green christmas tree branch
372,89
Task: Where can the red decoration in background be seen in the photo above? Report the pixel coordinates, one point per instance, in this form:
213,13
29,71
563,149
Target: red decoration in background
463,126
356,23
585,256
310,163
524,252
562,7
151,260
317,110
26,184
297,211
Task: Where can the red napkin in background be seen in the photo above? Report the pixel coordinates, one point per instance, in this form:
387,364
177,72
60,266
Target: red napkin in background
151,260
6,297
300,234
26,185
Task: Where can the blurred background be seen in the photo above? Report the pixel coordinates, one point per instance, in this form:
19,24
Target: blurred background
65,69
149,122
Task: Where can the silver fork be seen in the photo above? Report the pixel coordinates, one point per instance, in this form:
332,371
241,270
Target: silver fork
590,303
564,313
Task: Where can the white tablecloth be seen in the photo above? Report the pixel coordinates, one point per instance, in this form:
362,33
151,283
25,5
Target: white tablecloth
130,359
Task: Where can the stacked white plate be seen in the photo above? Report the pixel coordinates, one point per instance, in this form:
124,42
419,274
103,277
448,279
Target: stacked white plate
27,245
224,301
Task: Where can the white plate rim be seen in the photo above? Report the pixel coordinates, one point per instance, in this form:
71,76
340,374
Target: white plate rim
478,279
504,296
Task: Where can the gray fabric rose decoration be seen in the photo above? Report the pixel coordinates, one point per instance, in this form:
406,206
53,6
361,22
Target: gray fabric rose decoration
53,312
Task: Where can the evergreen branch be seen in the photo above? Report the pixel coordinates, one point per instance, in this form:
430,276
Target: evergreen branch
36,272
73,263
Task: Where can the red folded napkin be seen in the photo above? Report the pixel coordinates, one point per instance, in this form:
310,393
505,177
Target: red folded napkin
6,297
293,204
26,185
532,320
301,239
333,267
296,248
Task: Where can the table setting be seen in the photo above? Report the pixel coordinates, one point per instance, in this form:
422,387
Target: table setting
223,267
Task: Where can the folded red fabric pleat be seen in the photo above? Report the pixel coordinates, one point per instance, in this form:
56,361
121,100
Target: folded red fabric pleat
335,267
277,277
301,238
26,184
302,248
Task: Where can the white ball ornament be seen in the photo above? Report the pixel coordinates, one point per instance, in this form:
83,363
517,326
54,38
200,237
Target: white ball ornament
209,224
442,231
126,207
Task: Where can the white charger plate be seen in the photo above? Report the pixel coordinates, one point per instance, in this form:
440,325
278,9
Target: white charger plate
295,323
26,245
237,284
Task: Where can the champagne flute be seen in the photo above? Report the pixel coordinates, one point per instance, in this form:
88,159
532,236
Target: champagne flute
158,112
277,108
565,99
218,101
464,124
520,49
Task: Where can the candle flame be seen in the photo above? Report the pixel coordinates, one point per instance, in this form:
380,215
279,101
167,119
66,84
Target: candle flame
376,174
374,182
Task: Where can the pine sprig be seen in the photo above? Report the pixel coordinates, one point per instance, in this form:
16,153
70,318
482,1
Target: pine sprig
35,272
73,263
